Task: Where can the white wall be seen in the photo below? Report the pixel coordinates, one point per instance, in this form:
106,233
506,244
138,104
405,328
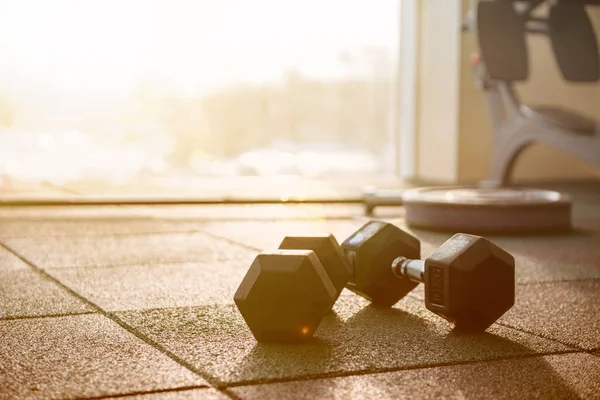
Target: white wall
438,91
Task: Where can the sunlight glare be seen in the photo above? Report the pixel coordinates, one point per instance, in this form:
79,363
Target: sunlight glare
111,45
130,88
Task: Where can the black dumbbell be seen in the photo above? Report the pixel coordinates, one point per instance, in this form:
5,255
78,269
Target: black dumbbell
468,280
285,295
286,292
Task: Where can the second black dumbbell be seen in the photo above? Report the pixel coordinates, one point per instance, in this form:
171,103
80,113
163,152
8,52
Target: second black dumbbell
468,280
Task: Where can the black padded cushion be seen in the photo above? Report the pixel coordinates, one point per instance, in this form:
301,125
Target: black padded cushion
574,42
563,118
501,36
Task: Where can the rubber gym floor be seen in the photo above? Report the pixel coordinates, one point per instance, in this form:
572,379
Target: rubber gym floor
111,302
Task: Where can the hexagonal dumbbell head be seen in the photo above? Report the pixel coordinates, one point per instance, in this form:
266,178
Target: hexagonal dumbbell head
470,281
370,252
329,252
284,295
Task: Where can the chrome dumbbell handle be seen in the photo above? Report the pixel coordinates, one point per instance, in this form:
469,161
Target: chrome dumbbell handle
410,269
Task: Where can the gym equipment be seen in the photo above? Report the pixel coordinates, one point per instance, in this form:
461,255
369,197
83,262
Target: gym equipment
574,42
468,280
478,209
505,53
501,27
285,295
328,251
368,281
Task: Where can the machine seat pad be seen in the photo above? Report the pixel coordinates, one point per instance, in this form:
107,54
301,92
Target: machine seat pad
564,118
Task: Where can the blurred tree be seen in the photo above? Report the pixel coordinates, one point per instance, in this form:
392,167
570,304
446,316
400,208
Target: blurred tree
348,111
158,111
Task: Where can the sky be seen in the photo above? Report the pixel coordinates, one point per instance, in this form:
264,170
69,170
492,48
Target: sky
195,45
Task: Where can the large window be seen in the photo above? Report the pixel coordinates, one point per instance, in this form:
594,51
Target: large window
124,90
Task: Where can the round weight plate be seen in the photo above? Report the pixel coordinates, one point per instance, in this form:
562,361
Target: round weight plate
487,210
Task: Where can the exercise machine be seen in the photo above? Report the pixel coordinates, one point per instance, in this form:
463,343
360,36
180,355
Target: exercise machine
501,28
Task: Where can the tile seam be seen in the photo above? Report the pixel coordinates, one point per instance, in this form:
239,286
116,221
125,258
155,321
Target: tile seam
209,379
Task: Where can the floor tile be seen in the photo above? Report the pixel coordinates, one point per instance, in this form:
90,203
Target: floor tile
133,287
268,235
25,293
204,394
539,258
257,213
567,376
97,251
81,356
546,259
10,262
355,338
40,227
568,312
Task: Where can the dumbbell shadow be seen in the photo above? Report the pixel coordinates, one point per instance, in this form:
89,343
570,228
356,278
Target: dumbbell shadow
341,342
526,375
359,337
